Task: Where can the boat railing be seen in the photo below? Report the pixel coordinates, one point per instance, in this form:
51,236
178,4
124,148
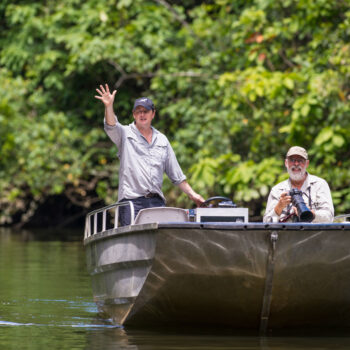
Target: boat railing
342,218
106,218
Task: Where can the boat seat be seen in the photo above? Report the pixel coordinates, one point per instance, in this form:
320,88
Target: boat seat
161,214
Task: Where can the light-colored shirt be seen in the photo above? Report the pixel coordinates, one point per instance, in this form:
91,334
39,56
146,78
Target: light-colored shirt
143,164
316,195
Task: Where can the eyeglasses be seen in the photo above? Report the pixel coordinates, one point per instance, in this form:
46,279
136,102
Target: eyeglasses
140,111
297,160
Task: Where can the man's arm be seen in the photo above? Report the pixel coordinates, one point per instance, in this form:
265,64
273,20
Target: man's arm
324,212
275,205
186,188
107,99
270,214
112,127
177,177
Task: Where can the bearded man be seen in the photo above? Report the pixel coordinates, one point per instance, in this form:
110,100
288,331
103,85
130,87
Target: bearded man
315,192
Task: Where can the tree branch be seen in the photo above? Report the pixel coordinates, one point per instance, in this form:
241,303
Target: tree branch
285,59
175,13
190,74
179,19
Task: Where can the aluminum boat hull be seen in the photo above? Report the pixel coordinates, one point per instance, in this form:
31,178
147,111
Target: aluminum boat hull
245,276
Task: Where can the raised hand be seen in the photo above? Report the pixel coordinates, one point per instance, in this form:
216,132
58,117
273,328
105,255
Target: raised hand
105,96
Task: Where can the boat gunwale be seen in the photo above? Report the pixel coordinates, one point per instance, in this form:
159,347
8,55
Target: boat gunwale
120,231
131,229
258,226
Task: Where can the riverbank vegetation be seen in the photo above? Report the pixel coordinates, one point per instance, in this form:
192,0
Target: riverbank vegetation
235,84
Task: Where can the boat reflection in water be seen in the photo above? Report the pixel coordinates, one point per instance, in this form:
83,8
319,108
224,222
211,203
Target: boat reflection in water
130,338
174,266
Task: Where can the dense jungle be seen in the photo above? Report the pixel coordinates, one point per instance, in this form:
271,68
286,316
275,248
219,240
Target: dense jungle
235,84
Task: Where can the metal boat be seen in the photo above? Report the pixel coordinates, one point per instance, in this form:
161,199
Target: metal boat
174,266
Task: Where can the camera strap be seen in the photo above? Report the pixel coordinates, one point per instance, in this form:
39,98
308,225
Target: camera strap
289,213
285,219
308,196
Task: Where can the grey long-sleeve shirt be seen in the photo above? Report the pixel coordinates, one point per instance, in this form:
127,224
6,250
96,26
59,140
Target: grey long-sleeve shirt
142,165
316,194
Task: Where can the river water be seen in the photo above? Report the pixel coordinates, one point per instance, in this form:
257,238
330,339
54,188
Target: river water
46,303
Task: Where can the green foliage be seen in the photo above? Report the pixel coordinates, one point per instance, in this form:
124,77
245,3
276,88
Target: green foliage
235,84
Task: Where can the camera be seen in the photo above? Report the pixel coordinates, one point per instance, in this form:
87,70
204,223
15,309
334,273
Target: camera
304,213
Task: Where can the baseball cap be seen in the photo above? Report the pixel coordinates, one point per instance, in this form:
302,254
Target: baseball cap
297,151
144,102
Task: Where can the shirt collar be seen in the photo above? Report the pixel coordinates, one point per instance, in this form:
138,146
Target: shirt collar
137,131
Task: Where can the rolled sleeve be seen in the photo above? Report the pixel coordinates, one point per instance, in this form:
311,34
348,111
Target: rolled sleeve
172,167
115,132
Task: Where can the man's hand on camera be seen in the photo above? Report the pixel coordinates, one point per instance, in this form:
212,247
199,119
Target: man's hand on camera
284,200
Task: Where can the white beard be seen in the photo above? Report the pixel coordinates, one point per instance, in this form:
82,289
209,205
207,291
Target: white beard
296,177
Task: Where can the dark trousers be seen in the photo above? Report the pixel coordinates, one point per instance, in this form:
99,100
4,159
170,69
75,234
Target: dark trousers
139,203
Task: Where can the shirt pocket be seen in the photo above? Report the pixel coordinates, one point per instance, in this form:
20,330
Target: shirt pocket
159,152
137,147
